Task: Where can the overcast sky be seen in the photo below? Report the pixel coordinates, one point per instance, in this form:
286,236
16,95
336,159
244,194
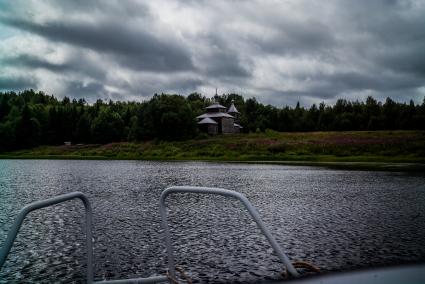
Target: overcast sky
280,52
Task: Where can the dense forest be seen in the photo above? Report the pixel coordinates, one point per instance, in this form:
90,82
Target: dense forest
30,118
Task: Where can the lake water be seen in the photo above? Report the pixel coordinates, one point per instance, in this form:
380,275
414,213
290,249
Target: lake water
336,219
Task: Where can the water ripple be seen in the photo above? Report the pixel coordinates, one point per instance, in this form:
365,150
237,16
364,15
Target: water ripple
339,220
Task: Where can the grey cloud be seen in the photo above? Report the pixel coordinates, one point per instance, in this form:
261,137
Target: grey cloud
333,86
226,64
298,38
95,90
403,58
223,61
395,30
285,98
92,91
77,64
307,98
16,83
184,86
136,48
411,62
383,40
336,48
127,8
88,91
25,60
338,83
149,87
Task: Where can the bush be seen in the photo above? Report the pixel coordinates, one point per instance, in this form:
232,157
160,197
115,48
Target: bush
201,136
277,148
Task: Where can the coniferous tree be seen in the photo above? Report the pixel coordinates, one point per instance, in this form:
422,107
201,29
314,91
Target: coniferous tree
30,118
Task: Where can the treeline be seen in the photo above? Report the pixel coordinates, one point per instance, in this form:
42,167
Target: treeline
30,118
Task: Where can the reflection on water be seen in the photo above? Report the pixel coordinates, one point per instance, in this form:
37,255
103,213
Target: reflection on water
338,220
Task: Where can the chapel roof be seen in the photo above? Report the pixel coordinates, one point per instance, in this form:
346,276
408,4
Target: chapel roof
215,105
232,109
207,120
214,114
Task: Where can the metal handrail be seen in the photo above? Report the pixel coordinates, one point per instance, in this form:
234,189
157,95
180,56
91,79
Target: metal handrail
48,202
148,280
4,251
227,193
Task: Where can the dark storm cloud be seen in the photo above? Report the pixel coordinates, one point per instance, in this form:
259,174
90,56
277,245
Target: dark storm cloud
25,60
8,83
383,41
225,64
133,47
75,64
298,38
92,91
77,89
404,59
378,82
185,86
221,59
128,9
331,85
280,52
172,85
395,34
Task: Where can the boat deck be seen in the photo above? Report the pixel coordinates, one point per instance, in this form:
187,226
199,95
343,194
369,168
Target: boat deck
412,274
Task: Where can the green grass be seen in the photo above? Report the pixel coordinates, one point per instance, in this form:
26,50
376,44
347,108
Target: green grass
357,148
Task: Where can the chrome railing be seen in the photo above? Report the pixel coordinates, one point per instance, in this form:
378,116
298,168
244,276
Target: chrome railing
227,193
4,251
13,232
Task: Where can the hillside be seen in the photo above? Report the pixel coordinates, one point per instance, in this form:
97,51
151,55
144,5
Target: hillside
323,147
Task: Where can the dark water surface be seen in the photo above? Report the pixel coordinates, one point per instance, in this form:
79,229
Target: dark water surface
338,220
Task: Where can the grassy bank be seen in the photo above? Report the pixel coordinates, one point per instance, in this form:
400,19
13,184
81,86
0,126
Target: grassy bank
397,147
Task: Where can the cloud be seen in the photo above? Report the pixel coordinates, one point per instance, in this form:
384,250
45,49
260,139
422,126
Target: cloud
134,48
224,63
33,62
280,52
8,83
78,89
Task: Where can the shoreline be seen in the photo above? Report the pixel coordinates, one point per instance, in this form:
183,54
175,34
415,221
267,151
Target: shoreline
399,150
407,166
